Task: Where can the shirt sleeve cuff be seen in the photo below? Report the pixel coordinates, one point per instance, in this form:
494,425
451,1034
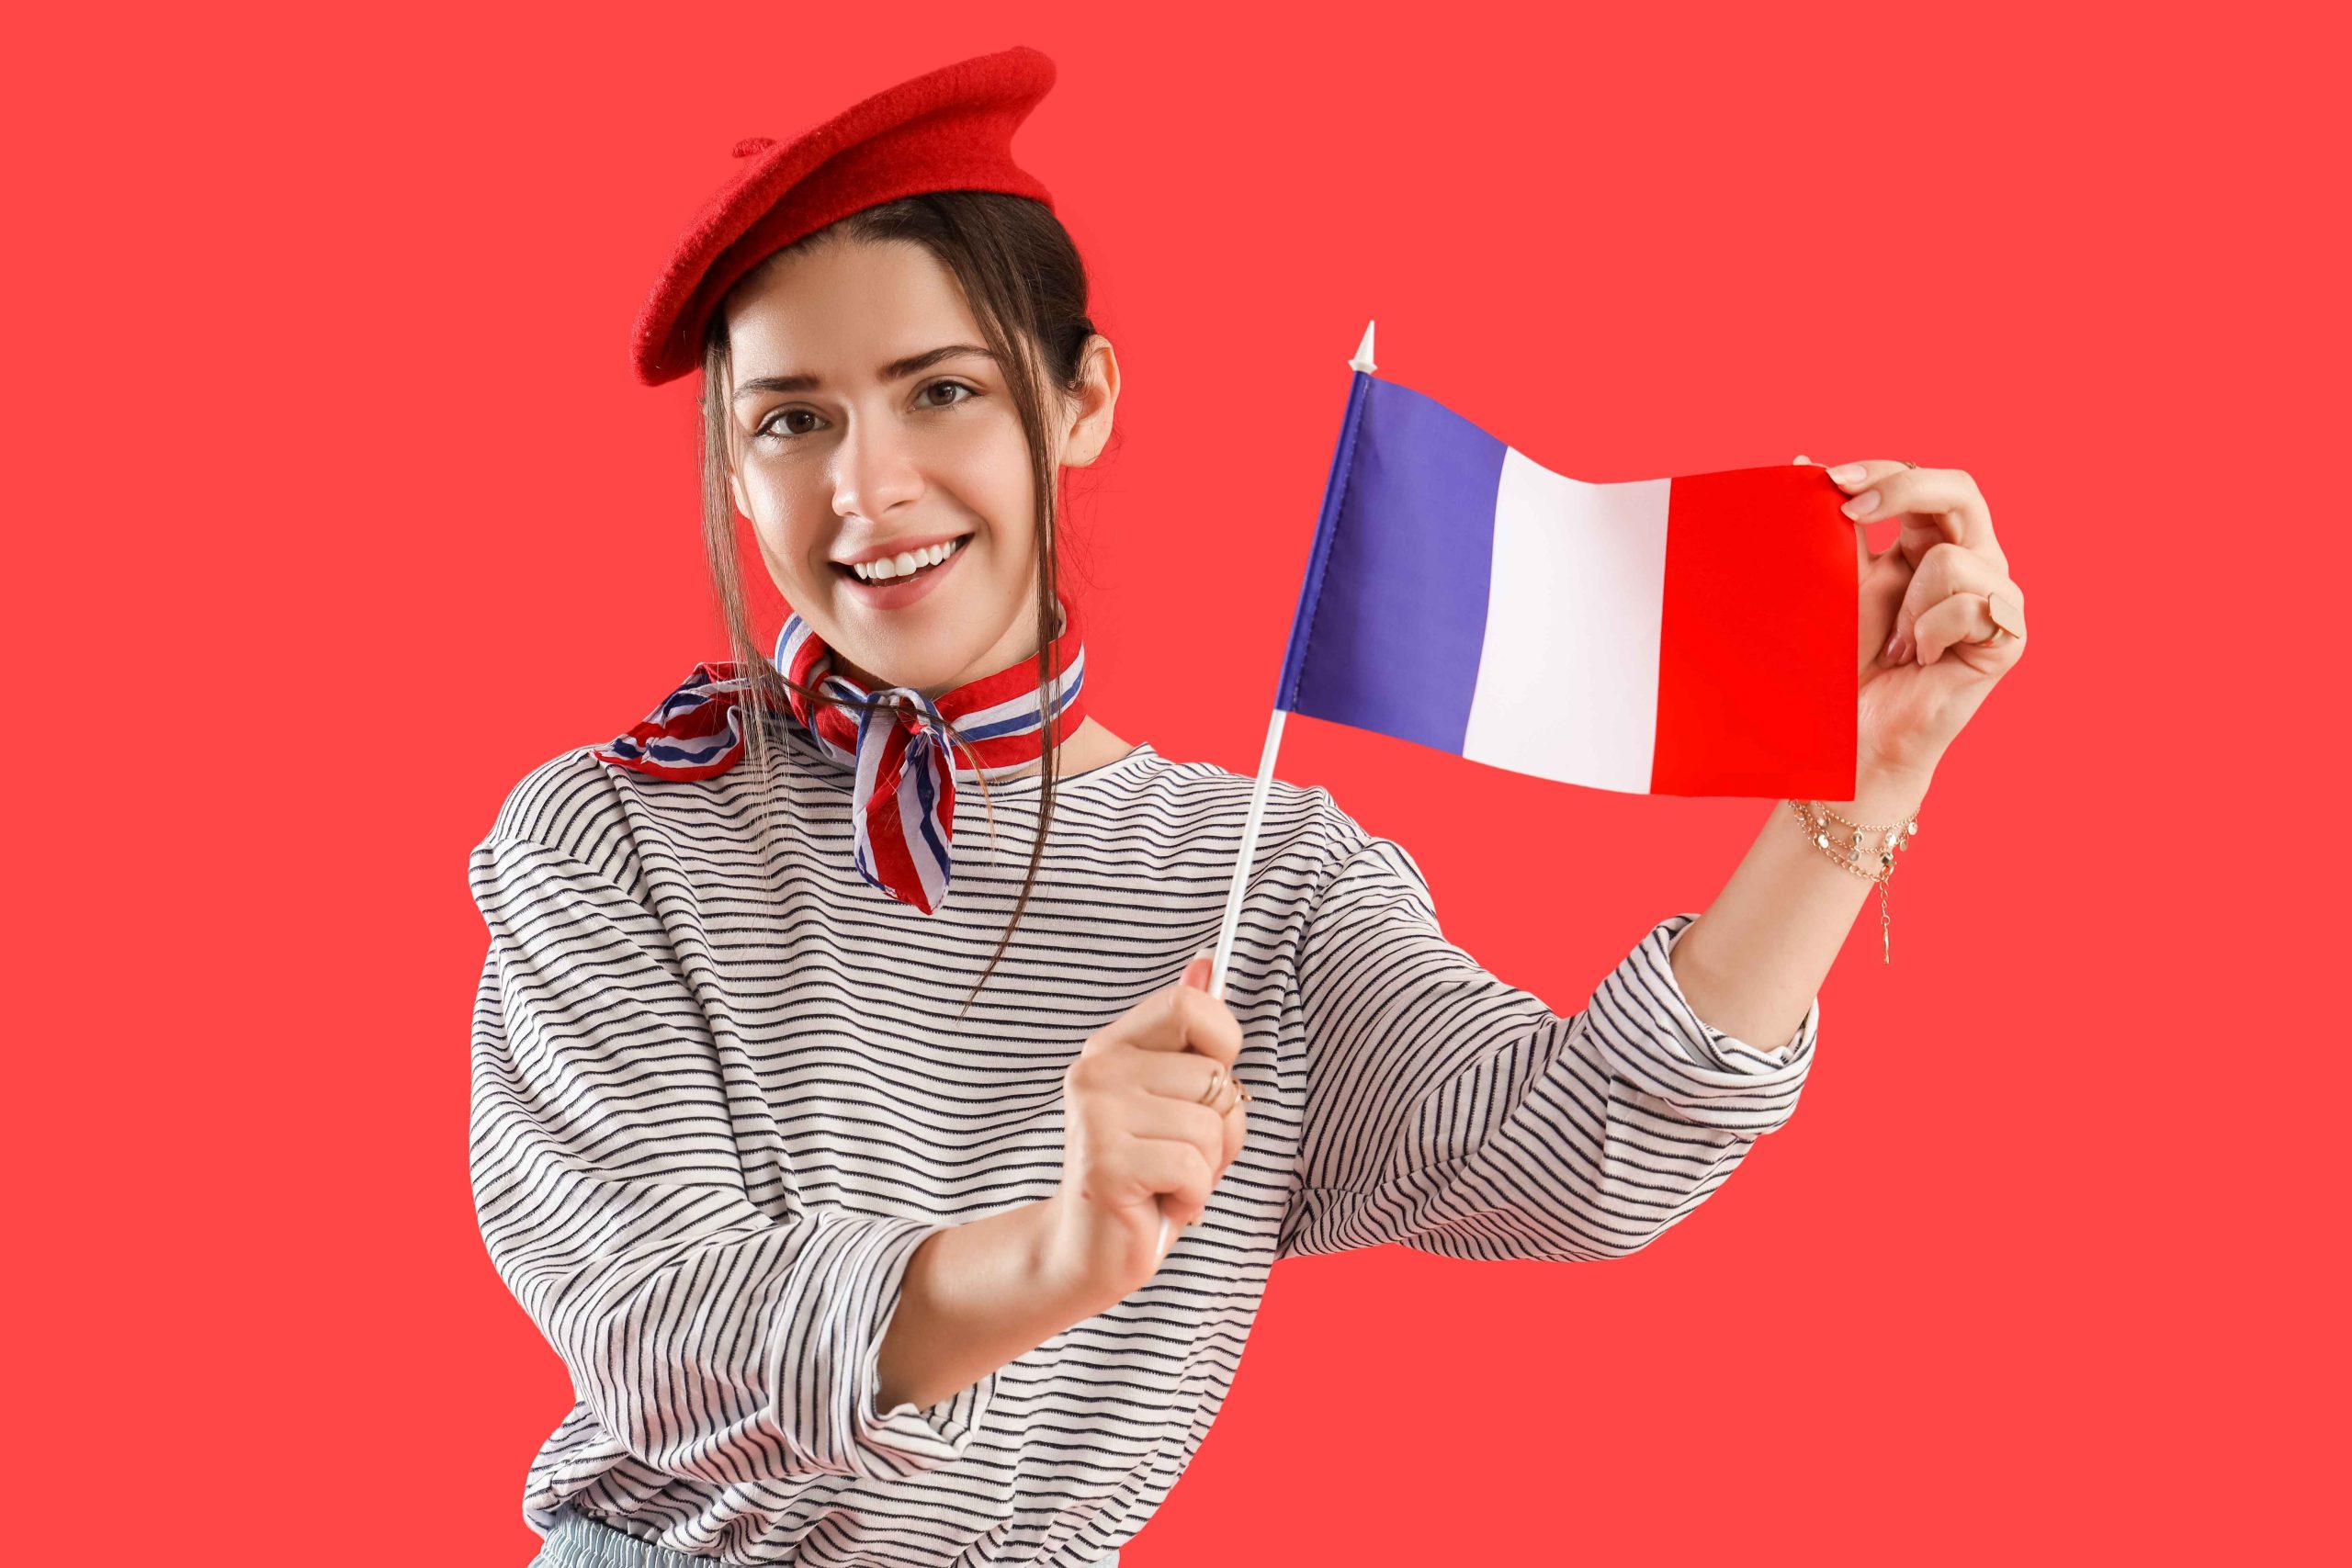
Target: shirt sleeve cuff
906,1438
1653,1038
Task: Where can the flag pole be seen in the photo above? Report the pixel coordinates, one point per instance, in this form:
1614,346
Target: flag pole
1361,362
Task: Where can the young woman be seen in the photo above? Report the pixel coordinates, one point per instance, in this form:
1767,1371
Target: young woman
845,1040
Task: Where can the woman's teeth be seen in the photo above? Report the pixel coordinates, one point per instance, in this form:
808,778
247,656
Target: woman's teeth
905,562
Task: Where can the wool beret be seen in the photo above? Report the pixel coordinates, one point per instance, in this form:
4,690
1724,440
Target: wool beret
946,129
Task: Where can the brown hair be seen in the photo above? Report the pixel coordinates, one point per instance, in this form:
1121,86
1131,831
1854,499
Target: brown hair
1026,286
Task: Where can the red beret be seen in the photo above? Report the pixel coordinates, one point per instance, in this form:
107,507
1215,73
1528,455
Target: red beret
947,130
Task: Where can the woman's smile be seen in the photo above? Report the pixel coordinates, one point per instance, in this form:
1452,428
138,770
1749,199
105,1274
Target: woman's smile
913,574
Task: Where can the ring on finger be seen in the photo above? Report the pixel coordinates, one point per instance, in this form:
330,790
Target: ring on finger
2007,618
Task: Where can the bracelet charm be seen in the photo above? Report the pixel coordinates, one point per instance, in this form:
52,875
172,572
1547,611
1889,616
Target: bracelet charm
1853,851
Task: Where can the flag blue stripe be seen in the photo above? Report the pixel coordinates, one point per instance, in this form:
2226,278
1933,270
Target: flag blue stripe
1389,629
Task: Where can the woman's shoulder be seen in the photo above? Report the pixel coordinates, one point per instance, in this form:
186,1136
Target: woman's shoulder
571,805
584,801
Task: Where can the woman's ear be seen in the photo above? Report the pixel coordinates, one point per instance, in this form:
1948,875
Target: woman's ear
1098,390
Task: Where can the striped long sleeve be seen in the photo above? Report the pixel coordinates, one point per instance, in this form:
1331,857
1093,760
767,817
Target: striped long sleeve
723,1088
1454,1113
713,1340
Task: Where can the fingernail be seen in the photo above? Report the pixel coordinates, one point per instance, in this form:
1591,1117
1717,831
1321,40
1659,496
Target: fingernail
1847,473
1891,639
1861,506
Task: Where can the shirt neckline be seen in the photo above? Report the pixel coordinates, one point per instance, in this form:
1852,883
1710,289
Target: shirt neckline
1111,771
1118,767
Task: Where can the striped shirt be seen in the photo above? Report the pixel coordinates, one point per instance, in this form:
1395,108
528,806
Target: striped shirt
721,1093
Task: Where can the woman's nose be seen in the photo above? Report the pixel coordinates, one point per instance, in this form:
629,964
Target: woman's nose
873,470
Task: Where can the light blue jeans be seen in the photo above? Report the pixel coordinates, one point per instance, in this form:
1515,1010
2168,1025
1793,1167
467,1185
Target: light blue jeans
579,1541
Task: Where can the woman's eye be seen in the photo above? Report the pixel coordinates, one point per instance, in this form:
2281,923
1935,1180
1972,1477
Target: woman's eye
776,423
769,426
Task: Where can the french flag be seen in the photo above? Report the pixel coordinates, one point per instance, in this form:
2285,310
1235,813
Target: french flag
1686,636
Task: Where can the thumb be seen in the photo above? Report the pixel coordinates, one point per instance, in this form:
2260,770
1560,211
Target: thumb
1197,976
1198,972
1861,538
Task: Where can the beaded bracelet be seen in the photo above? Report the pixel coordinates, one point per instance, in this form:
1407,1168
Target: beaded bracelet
1816,818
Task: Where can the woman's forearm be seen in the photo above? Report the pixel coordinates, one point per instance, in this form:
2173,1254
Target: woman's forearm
1752,964
974,1297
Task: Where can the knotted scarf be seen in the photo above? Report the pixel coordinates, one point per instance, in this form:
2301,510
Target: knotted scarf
902,807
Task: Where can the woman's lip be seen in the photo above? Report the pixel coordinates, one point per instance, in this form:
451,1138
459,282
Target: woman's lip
896,550
900,592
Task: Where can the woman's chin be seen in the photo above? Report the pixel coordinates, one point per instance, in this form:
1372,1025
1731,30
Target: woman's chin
897,657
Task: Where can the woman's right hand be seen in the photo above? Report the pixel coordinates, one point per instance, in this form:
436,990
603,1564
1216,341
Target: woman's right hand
1137,1144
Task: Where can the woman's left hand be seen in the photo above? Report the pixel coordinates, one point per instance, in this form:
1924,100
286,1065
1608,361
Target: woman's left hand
1930,650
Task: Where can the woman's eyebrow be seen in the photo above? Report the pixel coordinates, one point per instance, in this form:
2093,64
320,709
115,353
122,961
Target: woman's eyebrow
897,369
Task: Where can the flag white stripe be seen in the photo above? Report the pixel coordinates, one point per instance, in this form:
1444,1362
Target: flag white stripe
1568,672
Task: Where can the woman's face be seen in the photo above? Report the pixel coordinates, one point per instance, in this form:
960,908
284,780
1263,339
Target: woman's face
855,436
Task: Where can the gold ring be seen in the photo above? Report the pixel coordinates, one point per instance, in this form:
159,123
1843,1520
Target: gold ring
2013,621
1907,462
1216,1082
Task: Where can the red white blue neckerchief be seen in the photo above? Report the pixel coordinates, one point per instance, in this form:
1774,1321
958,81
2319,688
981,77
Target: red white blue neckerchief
902,807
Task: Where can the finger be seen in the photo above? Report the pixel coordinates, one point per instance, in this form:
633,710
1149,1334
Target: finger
1155,1116
1219,1128
1184,1075
1881,598
1965,621
1178,1018
1863,559
1946,569
1202,975
1863,556
1172,1172
1934,505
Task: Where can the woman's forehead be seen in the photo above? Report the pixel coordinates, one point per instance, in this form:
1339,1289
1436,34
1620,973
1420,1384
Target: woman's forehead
843,311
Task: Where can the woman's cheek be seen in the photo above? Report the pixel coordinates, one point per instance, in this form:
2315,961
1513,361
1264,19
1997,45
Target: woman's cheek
783,519
783,560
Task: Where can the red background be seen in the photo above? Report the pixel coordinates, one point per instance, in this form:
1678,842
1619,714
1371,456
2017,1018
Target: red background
336,511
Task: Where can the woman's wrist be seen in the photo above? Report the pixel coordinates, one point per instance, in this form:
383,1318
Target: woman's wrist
1057,1268
1884,798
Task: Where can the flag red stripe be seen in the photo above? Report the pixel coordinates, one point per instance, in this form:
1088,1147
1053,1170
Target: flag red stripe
1756,656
